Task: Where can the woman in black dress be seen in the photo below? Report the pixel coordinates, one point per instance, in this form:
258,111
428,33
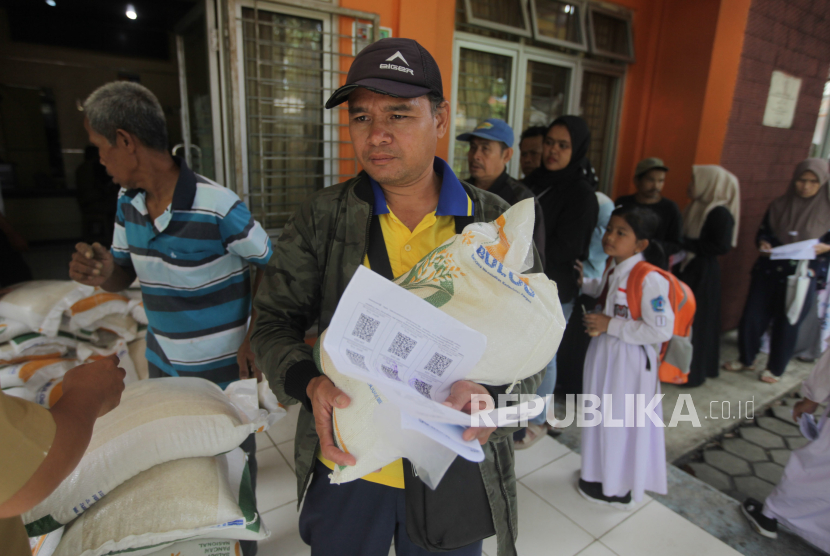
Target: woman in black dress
802,213
710,229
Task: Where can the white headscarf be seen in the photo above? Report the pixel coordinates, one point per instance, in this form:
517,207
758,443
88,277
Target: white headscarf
713,187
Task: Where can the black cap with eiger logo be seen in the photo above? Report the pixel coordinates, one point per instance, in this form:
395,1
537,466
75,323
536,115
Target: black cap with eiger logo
395,67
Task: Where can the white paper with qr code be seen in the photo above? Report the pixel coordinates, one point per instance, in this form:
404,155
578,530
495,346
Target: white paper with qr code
413,352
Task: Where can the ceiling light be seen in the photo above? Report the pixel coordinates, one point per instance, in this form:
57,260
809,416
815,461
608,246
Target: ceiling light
51,3
131,11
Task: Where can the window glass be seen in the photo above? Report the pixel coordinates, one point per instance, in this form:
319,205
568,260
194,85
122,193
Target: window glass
483,92
546,94
596,107
558,20
508,13
611,34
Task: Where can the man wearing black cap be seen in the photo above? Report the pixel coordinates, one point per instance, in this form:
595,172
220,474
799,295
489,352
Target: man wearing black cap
491,148
405,203
649,178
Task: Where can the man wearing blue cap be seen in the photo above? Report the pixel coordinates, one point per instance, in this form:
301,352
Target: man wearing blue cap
491,148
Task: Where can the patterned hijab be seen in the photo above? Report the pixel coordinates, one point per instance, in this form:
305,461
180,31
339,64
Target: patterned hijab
713,187
809,218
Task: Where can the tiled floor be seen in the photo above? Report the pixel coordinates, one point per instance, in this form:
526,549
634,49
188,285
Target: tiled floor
553,518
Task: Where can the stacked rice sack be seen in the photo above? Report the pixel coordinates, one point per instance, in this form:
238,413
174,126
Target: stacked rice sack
476,277
50,326
164,467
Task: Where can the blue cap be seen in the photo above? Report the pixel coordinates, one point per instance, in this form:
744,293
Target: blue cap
492,129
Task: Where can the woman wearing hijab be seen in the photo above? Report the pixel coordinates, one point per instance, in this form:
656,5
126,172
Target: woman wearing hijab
710,229
801,214
563,187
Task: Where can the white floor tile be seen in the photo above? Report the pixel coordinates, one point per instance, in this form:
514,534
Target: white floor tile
543,530
657,530
287,451
285,534
263,441
285,428
276,484
597,549
556,483
538,455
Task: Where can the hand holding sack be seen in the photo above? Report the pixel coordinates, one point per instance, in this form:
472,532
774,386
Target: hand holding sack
475,277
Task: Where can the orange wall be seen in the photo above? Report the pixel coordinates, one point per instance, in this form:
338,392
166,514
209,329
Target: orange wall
430,22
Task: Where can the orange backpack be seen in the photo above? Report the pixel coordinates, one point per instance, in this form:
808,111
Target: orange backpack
676,354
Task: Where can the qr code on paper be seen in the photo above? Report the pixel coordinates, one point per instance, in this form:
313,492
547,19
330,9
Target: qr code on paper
390,371
402,346
423,388
365,328
438,364
356,359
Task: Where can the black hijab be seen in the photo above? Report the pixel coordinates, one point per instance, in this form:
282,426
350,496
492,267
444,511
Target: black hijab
541,178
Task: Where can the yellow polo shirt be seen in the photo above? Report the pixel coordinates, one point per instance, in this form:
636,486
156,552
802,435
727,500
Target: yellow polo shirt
405,248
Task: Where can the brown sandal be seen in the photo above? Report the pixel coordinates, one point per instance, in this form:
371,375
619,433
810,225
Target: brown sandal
767,376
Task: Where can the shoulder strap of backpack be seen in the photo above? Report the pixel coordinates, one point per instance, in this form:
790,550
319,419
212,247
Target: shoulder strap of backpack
378,256
634,287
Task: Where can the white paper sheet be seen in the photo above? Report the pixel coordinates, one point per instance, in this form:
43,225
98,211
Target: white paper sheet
799,251
408,349
446,435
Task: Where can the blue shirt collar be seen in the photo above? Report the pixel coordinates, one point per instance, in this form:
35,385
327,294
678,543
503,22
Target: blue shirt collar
452,200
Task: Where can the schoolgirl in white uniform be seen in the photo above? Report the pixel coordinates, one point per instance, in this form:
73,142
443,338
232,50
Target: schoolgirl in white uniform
619,463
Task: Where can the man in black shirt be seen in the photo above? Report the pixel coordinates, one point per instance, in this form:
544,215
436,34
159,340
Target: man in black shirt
650,177
491,148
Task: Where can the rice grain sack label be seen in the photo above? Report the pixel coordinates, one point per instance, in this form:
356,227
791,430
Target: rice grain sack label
39,304
185,499
158,420
475,277
202,547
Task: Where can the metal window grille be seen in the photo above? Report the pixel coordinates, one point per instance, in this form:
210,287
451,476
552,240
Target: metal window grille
483,92
294,146
597,102
546,93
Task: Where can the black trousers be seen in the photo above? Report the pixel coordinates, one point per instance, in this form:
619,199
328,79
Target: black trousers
765,305
359,518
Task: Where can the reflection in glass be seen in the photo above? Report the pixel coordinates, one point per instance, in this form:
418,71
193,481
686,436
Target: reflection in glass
483,92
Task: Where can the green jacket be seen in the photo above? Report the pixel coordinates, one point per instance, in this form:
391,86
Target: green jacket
314,258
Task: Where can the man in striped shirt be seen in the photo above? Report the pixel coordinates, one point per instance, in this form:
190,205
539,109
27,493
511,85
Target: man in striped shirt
187,239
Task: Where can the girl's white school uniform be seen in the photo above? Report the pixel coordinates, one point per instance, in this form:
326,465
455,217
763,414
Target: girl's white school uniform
624,362
801,501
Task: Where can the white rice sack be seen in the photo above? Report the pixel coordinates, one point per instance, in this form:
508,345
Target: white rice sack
11,328
46,395
138,354
136,306
123,326
85,312
158,420
202,547
34,374
87,353
475,277
189,498
45,545
11,354
39,304
82,335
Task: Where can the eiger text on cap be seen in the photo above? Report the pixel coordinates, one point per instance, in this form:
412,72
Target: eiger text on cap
492,129
649,164
395,67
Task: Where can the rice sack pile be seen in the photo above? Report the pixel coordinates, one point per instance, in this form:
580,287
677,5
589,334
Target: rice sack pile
51,320
475,277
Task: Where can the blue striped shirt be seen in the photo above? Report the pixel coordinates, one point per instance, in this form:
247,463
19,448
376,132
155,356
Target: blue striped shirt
192,264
